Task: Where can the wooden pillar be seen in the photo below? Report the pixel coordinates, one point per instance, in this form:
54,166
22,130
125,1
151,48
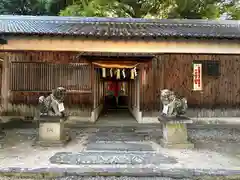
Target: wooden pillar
130,94
5,91
138,91
154,84
141,79
93,85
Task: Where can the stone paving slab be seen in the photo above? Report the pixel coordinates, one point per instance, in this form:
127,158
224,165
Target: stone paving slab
148,130
118,137
120,133
126,134
134,171
116,129
115,178
119,146
94,178
111,158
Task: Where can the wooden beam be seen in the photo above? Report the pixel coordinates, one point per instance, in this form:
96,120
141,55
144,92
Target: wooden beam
36,43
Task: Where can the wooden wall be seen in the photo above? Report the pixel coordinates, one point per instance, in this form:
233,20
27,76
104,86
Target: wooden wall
36,73
174,71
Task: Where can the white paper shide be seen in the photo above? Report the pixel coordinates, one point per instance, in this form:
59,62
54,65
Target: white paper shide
165,109
61,107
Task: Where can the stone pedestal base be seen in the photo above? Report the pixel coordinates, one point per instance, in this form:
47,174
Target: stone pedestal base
2,137
52,132
169,145
175,133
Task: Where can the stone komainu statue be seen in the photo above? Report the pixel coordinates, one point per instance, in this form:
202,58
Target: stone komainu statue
49,106
172,106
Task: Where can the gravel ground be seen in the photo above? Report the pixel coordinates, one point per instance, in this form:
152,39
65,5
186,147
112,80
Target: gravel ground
216,148
19,152
216,134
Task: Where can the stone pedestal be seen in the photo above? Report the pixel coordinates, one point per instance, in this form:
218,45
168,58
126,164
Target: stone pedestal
52,132
2,137
175,132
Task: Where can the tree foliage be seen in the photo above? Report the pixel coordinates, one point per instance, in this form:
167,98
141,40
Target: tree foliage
187,9
55,6
183,9
233,9
116,8
23,7
196,9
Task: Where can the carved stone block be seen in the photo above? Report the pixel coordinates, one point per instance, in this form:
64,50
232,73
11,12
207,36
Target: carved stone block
52,132
175,133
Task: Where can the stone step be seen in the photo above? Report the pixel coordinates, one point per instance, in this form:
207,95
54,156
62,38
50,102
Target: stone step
117,129
116,138
119,146
104,158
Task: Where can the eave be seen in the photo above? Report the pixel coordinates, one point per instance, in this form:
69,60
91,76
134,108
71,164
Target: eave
85,45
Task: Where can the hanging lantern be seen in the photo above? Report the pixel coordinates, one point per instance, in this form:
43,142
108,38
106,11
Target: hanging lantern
118,73
123,73
104,72
111,72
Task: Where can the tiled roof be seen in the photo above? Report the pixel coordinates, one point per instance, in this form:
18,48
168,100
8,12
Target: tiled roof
118,27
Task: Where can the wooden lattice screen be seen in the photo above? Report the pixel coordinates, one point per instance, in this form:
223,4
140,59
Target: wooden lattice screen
44,76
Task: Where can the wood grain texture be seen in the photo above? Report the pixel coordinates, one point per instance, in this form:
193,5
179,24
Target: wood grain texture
36,73
174,71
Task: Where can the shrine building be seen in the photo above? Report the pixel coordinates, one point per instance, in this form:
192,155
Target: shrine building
112,65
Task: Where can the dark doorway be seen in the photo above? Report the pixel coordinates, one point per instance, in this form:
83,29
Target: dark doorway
116,104
116,95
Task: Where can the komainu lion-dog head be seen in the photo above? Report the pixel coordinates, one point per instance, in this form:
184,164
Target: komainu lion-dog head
59,93
167,96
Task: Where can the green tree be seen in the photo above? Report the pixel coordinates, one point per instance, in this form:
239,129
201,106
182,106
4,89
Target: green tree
235,13
188,9
23,7
233,9
55,6
116,8
96,8
196,9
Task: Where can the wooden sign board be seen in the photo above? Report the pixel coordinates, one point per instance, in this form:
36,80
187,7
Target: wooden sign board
197,77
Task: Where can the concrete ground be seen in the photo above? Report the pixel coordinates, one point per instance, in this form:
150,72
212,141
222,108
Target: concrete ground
18,153
217,151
